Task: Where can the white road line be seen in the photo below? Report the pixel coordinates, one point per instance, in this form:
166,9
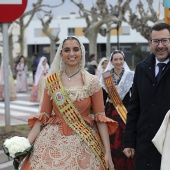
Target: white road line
22,95
24,103
15,113
23,108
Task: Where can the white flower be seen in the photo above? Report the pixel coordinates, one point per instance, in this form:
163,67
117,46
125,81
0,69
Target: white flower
16,144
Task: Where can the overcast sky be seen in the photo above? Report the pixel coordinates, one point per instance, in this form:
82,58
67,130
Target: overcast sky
69,7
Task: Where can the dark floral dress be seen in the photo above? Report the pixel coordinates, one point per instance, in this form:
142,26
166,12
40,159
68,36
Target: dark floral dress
121,162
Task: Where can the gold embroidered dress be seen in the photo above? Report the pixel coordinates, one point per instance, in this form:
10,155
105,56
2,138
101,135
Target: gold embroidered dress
58,147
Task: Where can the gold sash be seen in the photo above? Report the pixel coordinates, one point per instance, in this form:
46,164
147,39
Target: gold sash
73,118
114,96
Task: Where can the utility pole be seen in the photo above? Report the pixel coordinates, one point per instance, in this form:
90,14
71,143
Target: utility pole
118,44
6,73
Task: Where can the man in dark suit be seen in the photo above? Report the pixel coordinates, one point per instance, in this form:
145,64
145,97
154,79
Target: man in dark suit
150,101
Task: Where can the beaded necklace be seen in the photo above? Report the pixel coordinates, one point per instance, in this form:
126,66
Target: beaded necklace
116,82
69,77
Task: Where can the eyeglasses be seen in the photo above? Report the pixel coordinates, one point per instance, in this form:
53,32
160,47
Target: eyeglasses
164,41
68,50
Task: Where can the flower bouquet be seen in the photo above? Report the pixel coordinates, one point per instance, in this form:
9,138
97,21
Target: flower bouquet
17,148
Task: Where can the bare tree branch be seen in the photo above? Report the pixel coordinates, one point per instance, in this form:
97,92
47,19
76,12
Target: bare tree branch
37,7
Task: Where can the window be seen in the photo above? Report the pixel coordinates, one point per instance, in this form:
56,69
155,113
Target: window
71,31
126,49
39,33
55,31
145,48
46,49
126,30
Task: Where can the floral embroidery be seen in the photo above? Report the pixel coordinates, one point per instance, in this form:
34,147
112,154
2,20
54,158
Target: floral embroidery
62,152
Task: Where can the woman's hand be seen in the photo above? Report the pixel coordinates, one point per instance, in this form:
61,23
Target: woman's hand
129,152
109,162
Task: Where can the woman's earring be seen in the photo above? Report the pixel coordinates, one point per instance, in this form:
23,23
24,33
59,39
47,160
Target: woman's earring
81,63
62,65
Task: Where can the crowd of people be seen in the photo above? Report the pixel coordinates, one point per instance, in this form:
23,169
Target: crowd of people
99,118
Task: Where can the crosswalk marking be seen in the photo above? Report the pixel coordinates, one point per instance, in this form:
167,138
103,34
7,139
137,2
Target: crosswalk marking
25,103
22,95
23,108
14,113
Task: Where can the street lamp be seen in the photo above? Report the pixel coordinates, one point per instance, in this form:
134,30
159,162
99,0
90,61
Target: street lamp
116,13
118,45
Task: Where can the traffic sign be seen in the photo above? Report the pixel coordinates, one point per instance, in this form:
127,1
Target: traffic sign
10,10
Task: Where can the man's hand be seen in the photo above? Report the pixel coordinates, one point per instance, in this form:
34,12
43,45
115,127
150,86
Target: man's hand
129,152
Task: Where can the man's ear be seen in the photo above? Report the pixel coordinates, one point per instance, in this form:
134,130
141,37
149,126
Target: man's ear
149,42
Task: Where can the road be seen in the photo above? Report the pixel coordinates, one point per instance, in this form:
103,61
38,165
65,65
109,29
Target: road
20,109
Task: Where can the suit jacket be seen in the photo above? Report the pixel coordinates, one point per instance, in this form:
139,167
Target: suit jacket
148,106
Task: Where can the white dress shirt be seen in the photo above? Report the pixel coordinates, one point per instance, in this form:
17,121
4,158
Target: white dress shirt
156,66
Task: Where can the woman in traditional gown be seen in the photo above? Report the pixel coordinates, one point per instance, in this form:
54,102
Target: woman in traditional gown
11,83
21,68
37,89
101,66
70,137
118,72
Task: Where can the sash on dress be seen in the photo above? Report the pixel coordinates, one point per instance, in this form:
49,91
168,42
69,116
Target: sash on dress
114,96
73,118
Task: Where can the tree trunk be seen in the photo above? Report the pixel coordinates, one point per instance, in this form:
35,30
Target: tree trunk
52,50
91,35
108,49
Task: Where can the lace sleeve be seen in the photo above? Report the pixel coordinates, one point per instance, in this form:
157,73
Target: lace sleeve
93,84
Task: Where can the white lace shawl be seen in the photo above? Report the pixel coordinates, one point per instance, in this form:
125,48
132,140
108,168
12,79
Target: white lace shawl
124,85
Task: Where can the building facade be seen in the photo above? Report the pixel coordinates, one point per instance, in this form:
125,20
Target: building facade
38,42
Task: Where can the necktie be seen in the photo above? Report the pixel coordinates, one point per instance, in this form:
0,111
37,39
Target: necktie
161,66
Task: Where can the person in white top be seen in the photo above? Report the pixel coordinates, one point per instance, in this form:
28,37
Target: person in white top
40,74
101,66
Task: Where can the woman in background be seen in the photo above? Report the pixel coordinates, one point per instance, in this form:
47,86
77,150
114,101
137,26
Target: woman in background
117,81
11,83
92,64
40,74
101,66
21,68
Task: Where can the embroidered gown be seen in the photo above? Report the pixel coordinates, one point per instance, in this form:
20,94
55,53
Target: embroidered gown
21,84
37,90
11,84
123,84
57,147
